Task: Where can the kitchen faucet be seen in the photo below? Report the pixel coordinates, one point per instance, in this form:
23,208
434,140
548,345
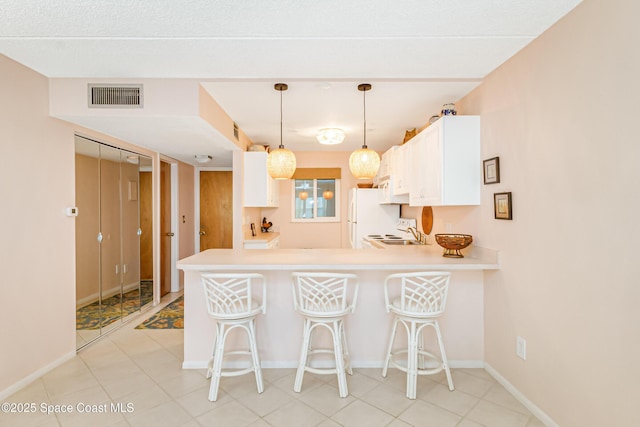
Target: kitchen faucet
417,234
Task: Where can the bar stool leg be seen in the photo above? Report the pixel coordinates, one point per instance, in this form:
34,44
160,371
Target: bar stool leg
345,348
412,362
217,362
304,353
421,359
389,355
339,356
254,355
445,362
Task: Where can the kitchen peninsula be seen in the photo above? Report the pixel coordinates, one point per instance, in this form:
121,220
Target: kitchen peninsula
280,329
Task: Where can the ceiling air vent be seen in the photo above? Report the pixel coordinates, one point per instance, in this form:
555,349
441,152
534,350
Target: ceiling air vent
115,96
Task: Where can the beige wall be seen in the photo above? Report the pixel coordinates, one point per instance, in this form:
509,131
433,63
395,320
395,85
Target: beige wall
186,227
37,245
560,115
314,235
37,251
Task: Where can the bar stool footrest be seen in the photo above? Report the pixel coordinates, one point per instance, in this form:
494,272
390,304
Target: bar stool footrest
420,371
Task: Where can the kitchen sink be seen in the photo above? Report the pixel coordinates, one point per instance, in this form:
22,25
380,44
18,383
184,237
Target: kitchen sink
399,242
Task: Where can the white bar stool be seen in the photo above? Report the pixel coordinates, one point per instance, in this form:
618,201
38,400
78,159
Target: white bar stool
324,299
231,303
418,300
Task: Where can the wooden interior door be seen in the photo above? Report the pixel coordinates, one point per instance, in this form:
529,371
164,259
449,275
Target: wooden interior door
216,210
146,225
166,235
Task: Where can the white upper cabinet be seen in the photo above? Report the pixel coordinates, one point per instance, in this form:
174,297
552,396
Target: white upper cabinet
260,190
402,169
445,163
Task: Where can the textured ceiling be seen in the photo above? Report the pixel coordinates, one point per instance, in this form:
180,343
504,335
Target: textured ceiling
418,54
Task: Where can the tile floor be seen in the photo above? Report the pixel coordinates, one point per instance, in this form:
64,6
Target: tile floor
141,370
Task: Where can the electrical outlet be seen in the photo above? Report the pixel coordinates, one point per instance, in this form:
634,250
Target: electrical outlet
521,348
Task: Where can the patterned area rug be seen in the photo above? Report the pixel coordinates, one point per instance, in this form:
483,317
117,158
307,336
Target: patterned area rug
96,315
170,317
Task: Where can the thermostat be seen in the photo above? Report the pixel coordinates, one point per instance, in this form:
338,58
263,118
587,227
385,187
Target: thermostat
73,211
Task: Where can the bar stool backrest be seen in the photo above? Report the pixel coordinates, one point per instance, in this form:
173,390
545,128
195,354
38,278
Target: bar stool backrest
423,293
230,295
324,294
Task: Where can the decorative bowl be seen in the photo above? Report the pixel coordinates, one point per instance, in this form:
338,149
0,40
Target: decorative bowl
365,185
452,243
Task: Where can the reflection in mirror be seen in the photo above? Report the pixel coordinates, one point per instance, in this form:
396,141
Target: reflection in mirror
114,257
130,223
110,247
146,231
88,308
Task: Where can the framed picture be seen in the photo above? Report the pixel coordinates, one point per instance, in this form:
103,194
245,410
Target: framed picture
492,170
502,205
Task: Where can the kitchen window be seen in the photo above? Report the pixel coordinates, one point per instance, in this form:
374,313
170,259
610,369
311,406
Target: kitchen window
316,200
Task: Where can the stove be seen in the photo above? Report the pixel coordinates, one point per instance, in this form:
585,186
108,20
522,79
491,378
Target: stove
383,237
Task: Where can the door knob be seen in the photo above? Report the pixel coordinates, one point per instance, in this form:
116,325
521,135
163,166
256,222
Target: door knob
170,234
202,233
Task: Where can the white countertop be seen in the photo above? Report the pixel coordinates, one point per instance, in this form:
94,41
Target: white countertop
390,258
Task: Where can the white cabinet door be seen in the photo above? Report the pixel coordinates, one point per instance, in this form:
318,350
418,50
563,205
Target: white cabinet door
402,169
260,190
426,186
446,163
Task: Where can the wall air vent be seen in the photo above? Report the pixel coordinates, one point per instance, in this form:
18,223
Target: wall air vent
115,96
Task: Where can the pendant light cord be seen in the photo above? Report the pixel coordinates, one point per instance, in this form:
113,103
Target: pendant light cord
364,109
281,145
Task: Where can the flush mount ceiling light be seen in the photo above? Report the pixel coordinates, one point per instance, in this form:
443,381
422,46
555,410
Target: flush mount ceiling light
364,162
203,158
330,136
281,163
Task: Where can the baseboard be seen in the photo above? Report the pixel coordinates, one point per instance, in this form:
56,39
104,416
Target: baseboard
199,364
109,293
4,394
535,410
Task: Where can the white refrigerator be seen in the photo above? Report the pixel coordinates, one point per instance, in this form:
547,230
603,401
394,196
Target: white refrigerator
368,216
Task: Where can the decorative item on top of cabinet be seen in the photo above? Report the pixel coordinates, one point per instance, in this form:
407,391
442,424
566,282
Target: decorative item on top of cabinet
409,134
491,170
260,190
445,163
449,109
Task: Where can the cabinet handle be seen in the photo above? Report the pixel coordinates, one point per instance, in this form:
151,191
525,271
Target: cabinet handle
170,234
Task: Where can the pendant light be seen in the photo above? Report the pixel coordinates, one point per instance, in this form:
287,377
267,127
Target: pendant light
281,163
364,162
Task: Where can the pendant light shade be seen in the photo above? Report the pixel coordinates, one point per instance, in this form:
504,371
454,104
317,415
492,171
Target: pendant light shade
364,162
281,163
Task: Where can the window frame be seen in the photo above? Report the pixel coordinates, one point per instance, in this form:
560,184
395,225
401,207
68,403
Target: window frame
315,218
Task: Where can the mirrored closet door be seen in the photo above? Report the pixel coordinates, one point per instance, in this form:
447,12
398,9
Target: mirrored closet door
113,196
